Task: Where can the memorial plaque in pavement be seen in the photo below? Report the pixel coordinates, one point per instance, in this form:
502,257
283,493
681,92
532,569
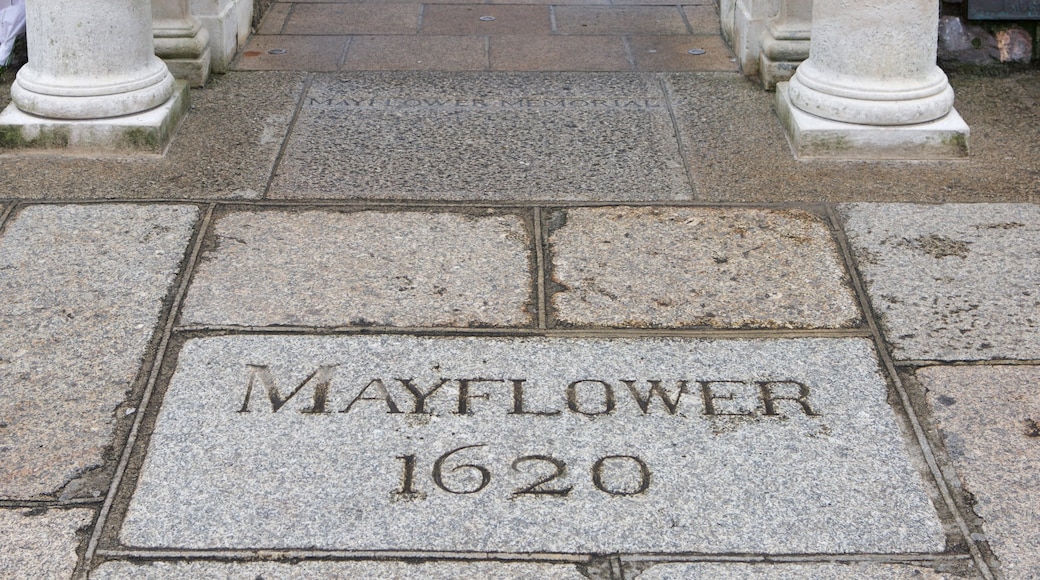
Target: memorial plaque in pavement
492,136
533,445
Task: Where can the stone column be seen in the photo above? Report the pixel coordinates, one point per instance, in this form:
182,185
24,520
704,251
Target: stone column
92,80
181,41
870,87
785,42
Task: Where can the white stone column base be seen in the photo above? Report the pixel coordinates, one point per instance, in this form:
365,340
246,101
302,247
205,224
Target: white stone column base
813,137
771,72
146,132
195,71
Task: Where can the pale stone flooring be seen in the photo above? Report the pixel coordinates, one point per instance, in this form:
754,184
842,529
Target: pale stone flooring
414,294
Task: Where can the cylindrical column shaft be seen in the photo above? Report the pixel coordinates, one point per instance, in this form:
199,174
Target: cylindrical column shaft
872,62
90,59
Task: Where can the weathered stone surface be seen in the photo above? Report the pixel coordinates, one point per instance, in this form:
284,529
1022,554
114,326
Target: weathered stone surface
487,136
336,571
988,417
327,268
775,446
951,282
736,571
40,545
82,289
674,267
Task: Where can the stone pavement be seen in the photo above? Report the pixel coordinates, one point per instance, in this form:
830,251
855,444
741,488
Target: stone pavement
583,321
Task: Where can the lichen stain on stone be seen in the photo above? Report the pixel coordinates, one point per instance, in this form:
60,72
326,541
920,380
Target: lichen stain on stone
940,247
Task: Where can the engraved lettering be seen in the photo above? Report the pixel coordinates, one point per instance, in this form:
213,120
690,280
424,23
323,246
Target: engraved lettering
709,396
420,397
518,401
574,401
383,395
560,469
465,396
320,377
644,475
671,405
770,397
438,472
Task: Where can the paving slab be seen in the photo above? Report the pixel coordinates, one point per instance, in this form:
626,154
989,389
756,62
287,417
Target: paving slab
684,267
672,53
988,418
737,151
534,445
558,53
292,52
450,53
225,148
83,287
619,20
336,570
326,268
951,282
842,571
40,543
473,19
353,18
483,136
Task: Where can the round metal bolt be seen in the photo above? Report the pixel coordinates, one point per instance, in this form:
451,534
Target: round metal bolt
487,18
697,51
277,51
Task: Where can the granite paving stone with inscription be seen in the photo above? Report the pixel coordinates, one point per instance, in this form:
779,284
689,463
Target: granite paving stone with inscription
82,288
989,421
518,289
951,282
675,267
483,136
535,445
363,269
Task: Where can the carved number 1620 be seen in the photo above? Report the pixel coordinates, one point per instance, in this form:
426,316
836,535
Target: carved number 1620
542,486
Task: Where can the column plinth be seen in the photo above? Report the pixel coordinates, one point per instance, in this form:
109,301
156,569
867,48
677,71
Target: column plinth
870,87
91,71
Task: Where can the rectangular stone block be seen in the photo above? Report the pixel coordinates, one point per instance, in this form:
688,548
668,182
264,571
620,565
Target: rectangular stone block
685,267
816,571
82,288
951,282
146,132
336,570
989,420
488,136
327,268
529,446
815,137
40,543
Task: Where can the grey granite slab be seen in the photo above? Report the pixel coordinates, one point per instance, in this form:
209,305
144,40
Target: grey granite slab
989,419
951,282
842,571
328,268
82,289
529,445
336,570
483,136
675,267
737,150
40,543
225,148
